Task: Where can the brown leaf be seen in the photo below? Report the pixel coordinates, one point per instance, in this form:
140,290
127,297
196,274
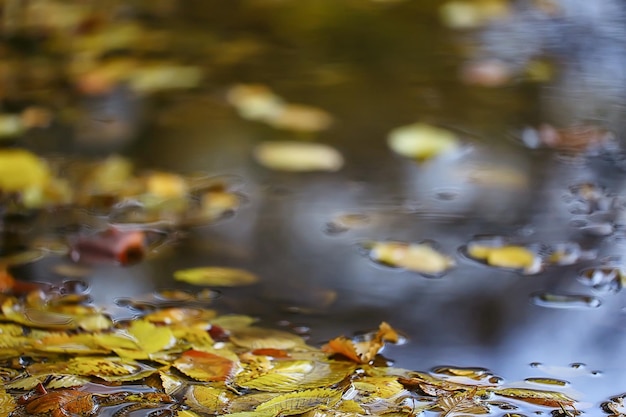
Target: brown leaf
363,349
62,403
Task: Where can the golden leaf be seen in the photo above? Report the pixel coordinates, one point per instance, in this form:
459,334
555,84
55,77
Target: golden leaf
149,337
7,403
417,257
291,375
204,366
301,401
247,402
66,381
260,338
25,383
421,141
298,156
216,276
198,338
84,344
379,386
8,329
208,400
186,413
250,414
461,403
539,397
109,368
179,315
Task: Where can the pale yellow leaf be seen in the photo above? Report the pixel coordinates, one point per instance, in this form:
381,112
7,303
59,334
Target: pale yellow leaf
216,276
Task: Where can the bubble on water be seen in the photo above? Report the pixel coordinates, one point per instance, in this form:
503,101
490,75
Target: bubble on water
564,301
74,287
602,278
578,365
446,194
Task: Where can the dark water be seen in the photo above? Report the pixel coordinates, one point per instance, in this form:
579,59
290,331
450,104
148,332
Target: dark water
375,66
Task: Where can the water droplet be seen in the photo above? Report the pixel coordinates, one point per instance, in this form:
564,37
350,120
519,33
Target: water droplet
577,365
548,381
574,301
496,380
536,364
596,373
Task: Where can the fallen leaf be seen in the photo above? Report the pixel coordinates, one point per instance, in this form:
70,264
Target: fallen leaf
62,403
417,257
300,402
539,397
298,156
204,366
216,276
422,142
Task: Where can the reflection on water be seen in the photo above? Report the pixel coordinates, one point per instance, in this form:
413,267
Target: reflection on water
375,66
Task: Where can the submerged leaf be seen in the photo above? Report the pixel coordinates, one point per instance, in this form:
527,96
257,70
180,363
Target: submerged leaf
300,402
216,276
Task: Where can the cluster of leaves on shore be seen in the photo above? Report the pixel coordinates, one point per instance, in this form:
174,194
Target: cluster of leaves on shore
61,356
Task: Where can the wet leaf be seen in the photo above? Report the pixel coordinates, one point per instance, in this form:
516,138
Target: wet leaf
85,344
204,366
300,402
301,118
421,141
362,350
66,381
379,386
216,276
539,397
260,338
291,375
108,368
7,403
298,156
461,403
69,401
208,399
508,256
417,257
21,171
151,338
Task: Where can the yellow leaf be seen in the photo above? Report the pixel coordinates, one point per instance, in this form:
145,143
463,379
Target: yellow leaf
216,276
208,399
7,403
66,381
421,141
21,170
298,156
418,257
379,386
259,338
85,344
291,375
301,401
149,337
204,366
540,397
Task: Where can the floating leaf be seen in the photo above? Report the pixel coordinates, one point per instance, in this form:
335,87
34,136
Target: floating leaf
291,375
421,141
298,156
208,400
362,350
109,368
85,344
461,403
300,402
25,383
204,366
66,381
539,397
301,118
508,256
149,337
21,170
216,276
69,401
259,338
418,257
379,386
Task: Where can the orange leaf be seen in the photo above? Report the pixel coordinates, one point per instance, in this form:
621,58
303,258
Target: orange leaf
6,281
365,348
63,402
204,366
275,353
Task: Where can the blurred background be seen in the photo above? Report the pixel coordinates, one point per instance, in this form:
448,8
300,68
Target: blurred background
446,122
